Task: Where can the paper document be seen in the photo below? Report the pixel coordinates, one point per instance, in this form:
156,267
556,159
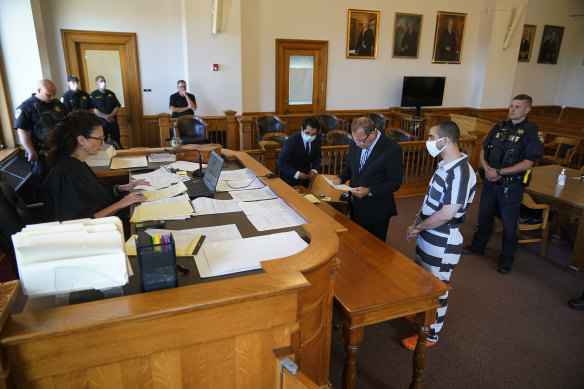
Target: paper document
128,162
271,214
166,193
265,207
253,194
185,165
239,174
339,187
103,157
250,183
312,198
207,206
163,211
161,157
218,258
159,178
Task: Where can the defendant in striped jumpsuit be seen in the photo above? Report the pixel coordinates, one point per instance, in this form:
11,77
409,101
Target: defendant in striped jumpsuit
449,194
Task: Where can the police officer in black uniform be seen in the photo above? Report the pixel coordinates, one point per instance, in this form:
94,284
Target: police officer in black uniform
34,118
106,107
509,151
76,99
182,103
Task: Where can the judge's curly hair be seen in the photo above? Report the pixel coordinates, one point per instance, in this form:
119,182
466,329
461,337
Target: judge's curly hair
62,140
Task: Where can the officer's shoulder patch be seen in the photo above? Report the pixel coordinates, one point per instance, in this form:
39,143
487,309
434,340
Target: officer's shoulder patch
17,114
83,97
109,95
540,136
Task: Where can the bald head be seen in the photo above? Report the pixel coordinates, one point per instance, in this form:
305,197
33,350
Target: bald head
46,90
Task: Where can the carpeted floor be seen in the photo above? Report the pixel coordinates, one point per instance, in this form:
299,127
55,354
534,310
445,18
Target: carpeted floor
501,331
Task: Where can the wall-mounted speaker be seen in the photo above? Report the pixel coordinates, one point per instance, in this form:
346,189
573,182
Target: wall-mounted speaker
513,25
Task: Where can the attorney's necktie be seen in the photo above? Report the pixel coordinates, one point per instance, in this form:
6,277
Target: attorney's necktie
364,156
307,148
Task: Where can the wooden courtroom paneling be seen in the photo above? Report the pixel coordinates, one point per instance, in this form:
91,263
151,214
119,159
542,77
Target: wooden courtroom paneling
150,126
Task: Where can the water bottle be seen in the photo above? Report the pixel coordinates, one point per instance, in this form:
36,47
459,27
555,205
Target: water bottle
562,177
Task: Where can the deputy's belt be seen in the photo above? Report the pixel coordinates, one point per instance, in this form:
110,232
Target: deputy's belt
452,222
506,180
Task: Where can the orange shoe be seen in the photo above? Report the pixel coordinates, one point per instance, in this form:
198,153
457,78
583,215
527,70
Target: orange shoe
411,342
411,318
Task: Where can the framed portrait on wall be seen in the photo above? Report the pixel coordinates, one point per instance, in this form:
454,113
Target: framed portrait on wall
406,35
550,44
449,37
362,27
526,46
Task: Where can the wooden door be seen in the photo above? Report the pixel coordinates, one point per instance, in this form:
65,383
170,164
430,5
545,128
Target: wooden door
114,56
301,76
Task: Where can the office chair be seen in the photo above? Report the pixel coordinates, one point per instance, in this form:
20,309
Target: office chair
329,123
337,138
270,123
191,130
378,119
277,137
399,135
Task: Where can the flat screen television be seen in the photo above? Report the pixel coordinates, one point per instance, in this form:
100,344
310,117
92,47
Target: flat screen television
422,92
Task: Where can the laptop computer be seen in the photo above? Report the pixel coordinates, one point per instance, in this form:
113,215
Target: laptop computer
206,186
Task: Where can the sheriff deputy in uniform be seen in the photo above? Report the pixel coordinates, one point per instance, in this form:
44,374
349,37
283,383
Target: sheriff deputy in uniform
35,117
508,153
76,99
106,107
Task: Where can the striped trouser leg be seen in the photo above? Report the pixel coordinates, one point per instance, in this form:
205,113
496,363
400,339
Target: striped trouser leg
438,252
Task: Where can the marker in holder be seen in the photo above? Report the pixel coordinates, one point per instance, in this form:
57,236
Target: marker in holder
157,262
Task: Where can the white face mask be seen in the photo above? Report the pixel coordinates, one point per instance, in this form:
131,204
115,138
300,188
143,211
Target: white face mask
308,138
102,85
74,87
432,148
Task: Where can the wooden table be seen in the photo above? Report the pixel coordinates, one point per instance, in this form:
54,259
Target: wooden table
377,283
567,200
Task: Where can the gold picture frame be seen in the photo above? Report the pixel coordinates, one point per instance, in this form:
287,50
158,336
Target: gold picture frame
526,46
449,37
406,35
362,33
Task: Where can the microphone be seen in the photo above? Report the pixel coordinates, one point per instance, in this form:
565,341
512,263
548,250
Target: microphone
199,171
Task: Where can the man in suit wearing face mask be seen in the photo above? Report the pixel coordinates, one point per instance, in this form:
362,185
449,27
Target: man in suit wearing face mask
299,160
450,193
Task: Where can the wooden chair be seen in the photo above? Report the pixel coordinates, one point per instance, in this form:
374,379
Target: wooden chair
575,156
278,137
191,129
542,225
329,123
337,138
379,120
399,135
561,147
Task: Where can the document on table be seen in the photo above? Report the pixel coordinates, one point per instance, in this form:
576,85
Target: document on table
185,165
250,183
339,187
166,193
163,211
218,258
159,178
128,162
239,174
271,214
161,157
253,195
207,206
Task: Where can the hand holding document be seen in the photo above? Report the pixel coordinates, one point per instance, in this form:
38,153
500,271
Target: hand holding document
339,187
166,193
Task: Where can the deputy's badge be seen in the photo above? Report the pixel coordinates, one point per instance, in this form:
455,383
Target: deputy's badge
18,112
57,108
109,95
540,136
498,135
84,98
520,132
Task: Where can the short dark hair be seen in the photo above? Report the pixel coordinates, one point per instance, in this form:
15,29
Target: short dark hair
448,129
363,122
525,98
179,81
312,122
62,139
98,77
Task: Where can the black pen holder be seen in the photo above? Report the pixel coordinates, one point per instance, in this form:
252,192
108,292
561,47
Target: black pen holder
157,263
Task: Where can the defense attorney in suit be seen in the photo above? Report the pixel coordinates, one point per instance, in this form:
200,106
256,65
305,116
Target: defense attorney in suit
374,167
299,160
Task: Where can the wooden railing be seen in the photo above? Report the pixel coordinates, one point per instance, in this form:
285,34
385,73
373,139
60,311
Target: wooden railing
418,165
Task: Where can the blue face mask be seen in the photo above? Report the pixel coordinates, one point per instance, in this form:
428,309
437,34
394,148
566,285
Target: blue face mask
308,138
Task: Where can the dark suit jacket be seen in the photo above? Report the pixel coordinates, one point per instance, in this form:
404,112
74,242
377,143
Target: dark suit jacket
382,174
293,158
366,38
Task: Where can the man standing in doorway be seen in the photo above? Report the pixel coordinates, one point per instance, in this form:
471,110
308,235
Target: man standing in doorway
106,107
182,103
76,99
450,192
509,151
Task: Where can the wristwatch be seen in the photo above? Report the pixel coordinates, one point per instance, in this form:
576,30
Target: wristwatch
370,194
498,171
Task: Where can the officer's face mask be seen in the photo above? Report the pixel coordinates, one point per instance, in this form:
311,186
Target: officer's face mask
308,138
74,86
102,85
432,148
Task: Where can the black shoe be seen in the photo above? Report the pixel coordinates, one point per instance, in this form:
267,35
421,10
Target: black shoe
473,250
577,303
504,270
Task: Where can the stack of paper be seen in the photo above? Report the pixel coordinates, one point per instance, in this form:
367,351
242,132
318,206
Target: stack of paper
128,162
56,258
271,214
166,193
103,157
218,258
161,157
162,211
